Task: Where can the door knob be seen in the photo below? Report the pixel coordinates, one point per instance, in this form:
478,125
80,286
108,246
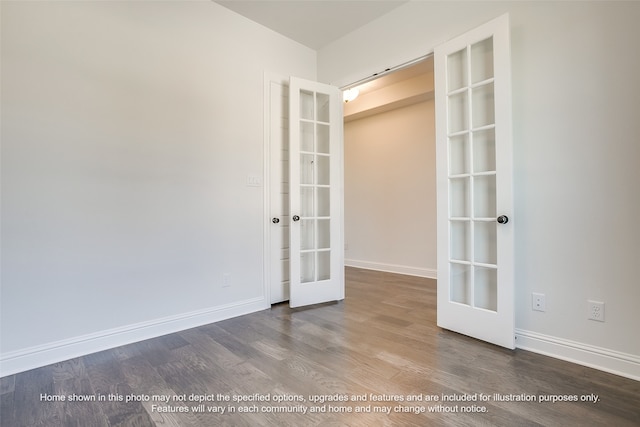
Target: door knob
296,218
275,220
503,219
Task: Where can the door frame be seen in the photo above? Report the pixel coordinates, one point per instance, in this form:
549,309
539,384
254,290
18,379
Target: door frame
269,78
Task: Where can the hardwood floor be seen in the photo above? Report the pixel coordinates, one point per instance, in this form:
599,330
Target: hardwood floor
381,341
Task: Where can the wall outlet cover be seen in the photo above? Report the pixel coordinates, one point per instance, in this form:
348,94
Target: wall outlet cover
538,302
596,310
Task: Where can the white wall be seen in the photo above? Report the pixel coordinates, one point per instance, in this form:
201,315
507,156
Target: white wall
390,191
129,129
576,159
128,132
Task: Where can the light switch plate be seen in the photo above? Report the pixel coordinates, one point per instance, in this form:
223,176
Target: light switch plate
254,181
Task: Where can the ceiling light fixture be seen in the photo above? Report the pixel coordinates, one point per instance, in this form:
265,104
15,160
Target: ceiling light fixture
350,94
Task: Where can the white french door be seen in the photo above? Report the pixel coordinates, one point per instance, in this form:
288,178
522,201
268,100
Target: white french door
315,193
474,183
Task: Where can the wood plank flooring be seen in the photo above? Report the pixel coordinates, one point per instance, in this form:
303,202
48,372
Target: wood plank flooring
382,341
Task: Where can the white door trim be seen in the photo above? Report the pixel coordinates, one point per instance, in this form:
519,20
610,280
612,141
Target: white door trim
269,78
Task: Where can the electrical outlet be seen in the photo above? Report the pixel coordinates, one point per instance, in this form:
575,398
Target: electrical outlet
226,280
596,311
538,302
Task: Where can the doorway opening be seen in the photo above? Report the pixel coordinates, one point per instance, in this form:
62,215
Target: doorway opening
390,176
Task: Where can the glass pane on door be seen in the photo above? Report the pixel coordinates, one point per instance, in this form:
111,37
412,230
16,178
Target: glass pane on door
457,70
306,136
459,155
458,112
485,242
324,265
306,105
460,240
315,190
484,196
324,202
486,288
459,283
307,234
472,176
315,193
307,267
323,138
307,169
323,107
482,60
306,201
459,190
324,234
482,105
484,151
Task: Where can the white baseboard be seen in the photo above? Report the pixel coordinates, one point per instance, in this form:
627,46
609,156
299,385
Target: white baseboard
46,354
392,268
623,364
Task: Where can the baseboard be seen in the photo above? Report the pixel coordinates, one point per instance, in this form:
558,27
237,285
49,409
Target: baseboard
392,268
46,354
623,364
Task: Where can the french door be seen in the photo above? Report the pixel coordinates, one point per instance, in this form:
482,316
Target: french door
307,249
474,183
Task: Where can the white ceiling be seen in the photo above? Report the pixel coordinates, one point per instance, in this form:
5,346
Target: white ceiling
310,22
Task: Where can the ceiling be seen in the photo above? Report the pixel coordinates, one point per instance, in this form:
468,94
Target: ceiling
312,23
315,24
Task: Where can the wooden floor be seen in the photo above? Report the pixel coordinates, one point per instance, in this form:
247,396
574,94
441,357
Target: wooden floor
381,342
